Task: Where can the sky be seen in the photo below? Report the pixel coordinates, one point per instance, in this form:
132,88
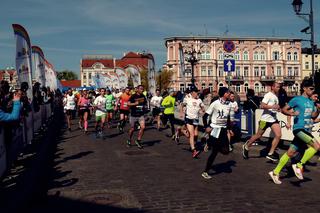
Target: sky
68,29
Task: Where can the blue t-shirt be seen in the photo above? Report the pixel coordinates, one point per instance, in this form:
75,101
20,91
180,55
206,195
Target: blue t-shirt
305,107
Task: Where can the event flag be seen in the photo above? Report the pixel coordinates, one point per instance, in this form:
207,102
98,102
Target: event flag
38,59
182,65
123,78
135,75
23,57
151,75
114,80
51,76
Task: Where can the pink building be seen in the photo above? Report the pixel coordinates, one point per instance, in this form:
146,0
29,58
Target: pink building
258,62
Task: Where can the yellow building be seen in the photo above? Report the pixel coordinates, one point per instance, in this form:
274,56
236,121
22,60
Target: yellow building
306,61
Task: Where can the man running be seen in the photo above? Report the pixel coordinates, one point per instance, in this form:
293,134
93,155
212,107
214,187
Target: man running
110,103
169,103
155,103
270,106
303,112
124,109
138,106
69,103
221,118
101,113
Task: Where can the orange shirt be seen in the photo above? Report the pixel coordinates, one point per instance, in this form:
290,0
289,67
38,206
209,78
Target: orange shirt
124,99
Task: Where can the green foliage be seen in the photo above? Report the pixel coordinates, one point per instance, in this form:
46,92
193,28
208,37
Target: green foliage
163,79
67,75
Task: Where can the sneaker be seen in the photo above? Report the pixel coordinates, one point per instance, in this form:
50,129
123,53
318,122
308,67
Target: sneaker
297,171
195,153
176,138
205,175
69,129
245,152
206,148
121,130
138,144
275,178
230,148
273,157
128,143
80,126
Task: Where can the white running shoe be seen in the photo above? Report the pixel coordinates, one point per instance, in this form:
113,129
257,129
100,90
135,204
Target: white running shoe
275,178
297,171
205,175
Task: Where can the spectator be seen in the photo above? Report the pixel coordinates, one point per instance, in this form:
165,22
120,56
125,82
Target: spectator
252,102
14,115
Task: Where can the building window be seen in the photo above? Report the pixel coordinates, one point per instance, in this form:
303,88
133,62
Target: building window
263,71
203,71
256,71
203,85
263,55
210,70
263,88
256,56
220,85
306,65
89,75
290,72
84,75
220,55
295,56
316,65
211,87
182,87
238,88
221,71
279,71
237,56
245,56
256,87
275,55
246,71
238,71
208,55
296,71
246,86
289,56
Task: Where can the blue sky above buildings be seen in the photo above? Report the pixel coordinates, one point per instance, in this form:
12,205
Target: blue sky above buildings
68,29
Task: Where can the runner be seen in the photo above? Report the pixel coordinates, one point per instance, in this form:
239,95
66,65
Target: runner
194,106
270,106
84,111
110,104
235,108
156,104
69,103
124,109
221,118
303,112
138,106
169,103
101,113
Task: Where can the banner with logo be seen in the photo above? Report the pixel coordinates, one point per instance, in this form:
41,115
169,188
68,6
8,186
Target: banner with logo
151,75
23,57
51,76
107,81
115,80
182,65
38,59
134,74
123,78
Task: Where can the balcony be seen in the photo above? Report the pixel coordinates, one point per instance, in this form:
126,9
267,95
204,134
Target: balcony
235,78
267,78
290,78
292,93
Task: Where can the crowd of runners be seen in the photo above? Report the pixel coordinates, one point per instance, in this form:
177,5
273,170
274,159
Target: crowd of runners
181,113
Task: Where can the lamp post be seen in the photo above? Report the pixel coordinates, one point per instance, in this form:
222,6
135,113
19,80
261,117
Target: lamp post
297,6
160,83
192,57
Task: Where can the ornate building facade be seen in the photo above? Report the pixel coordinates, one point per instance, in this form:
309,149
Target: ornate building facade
306,66
258,62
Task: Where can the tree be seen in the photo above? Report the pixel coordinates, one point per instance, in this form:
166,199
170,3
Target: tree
163,79
67,75
144,78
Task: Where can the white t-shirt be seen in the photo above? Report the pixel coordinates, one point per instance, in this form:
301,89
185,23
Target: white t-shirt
269,115
156,101
220,111
100,103
70,103
193,107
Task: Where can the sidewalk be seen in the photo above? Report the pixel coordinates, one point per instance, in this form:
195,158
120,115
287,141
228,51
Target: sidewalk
103,175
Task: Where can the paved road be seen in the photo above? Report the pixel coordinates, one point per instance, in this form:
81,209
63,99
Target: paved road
90,174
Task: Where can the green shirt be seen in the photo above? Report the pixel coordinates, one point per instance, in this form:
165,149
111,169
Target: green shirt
168,103
110,102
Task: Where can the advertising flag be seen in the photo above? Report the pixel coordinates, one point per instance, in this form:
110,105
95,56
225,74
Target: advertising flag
151,74
134,74
38,59
182,65
23,57
51,76
115,80
123,78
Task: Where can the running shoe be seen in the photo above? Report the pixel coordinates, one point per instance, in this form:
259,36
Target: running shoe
128,143
275,178
245,152
69,129
176,138
297,171
195,153
273,157
230,148
206,148
80,126
139,145
205,175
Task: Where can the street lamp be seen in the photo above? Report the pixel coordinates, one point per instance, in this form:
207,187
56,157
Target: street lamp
297,6
192,57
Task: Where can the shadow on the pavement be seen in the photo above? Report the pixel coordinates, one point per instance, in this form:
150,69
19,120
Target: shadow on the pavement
150,143
224,167
298,183
54,204
73,157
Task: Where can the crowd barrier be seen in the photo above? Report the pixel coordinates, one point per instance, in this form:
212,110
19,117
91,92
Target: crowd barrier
22,135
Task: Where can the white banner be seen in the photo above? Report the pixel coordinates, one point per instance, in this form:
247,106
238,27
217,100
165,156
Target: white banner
134,74
38,58
123,78
151,75
107,82
182,66
23,57
51,76
114,80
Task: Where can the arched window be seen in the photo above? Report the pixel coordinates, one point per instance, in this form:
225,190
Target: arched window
220,85
208,55
246,86
238,88
256,87
289,56
295,56
275,55
237,55
255,56
245,56
263,55
220,55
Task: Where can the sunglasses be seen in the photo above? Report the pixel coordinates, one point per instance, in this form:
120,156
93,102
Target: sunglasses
311,88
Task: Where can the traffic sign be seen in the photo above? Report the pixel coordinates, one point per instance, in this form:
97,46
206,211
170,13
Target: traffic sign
229,46
229,65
